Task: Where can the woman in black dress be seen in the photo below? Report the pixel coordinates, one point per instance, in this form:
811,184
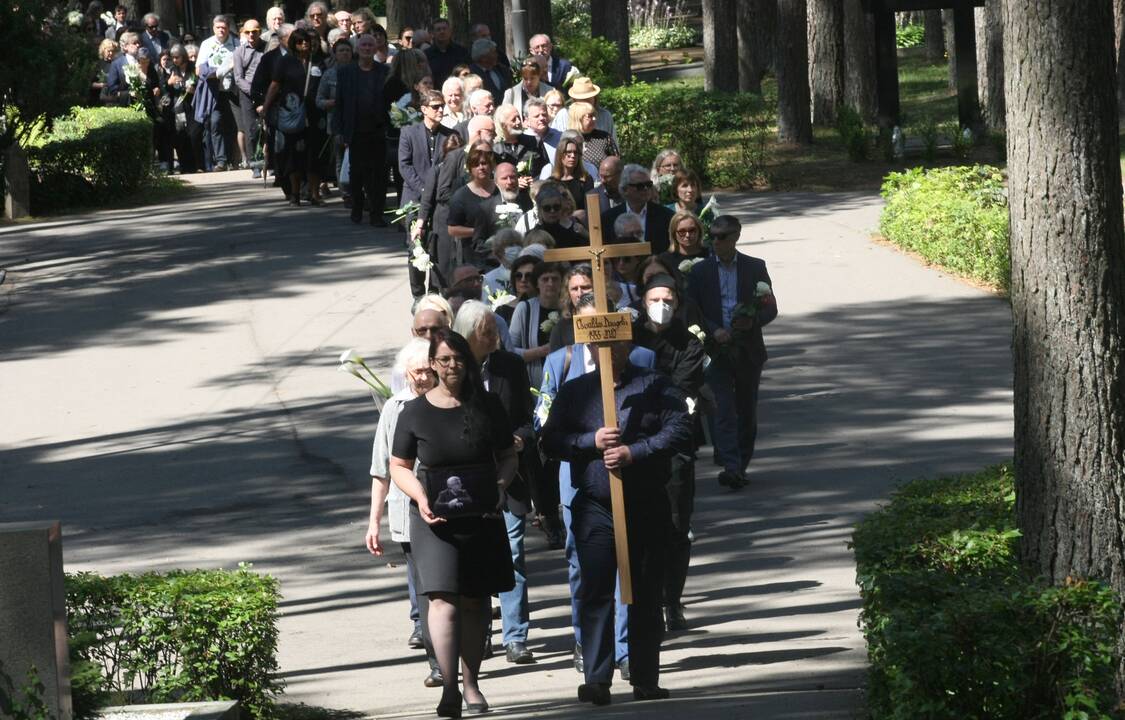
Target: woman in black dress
296,76
472,209
461,560
570,170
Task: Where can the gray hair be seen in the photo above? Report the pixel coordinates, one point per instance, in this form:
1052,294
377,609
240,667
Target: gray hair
478,95
470,316
177,50
412,353
191,49
629,172
624,220
539,35
334,35
317,3
534,102
433,301
150,16
221,19
129,37
481,47
449,83
662,156
285,30
503,111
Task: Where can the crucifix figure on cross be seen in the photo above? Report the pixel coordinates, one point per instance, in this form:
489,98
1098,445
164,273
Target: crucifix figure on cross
602,329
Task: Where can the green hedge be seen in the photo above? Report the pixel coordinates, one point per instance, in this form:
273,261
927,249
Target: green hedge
180,636
955,629
595,57
698,123
955,217
90,156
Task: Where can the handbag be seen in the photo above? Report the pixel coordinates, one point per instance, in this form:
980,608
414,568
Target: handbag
291,115
461,490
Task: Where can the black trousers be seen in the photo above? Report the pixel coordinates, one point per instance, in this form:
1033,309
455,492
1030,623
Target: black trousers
647,522
681,498
368,173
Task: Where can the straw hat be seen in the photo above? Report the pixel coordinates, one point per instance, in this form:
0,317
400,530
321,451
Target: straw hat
583,89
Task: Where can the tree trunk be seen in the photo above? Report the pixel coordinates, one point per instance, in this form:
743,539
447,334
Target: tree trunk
538,18
458,13
794,121
757,36
934,37
491,13
401,13
17,183
1068,289
826,59
859,59
950,48
990,64
720,44
169,18
1118,31
610,19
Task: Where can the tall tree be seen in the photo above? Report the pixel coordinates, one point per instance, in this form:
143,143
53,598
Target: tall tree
794,120
933,37
826,59
1118,32
859,58
757,34
401,13
491,13
610,19
1068,288
990,63
950,48
720,44
538,18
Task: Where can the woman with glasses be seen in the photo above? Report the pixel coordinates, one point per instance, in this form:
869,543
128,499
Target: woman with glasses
686,232
455,429
553,215
535,318
597,144
571,170
472,209
304,153
555,103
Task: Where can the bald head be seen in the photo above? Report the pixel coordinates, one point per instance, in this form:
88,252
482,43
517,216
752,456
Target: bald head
481,127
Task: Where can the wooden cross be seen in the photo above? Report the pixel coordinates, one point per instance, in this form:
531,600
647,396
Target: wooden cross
605,327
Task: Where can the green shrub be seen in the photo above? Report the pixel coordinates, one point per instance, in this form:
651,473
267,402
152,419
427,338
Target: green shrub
955,629
663,38
910,36
594,57
571,18
179,636
853,133
955,217
650,118
90,156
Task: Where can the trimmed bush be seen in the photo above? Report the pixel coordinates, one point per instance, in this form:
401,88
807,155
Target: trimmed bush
179,636
90,156
955,217
650,118
954,627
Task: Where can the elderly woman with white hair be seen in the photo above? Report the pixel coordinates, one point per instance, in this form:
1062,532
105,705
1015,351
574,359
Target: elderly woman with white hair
505,375
412,362
453,90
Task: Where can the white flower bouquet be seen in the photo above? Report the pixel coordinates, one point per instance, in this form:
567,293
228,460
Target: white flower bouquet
507,214
352,362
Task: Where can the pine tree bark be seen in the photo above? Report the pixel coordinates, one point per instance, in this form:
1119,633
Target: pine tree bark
950,48
458,13
491,13
990,63
1068,289
538,18
610,19
826,59
757,37
934,36
859,59
1118,32
720,44
794,119
403,13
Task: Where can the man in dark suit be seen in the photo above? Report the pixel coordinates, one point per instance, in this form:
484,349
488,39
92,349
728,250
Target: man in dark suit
443,54
727,286
362,118
557,67
495,78
116,83
636,190
420,146
153,38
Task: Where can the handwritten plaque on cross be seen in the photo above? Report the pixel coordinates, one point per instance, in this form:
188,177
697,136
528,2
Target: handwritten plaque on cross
602,328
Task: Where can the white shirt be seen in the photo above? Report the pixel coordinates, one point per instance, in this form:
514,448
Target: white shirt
208,47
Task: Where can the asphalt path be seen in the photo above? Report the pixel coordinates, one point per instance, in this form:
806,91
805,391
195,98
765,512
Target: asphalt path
170,393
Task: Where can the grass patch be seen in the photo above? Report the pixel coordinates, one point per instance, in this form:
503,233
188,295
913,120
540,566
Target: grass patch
956,629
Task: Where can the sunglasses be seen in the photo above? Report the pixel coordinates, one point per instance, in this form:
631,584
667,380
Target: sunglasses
647,185
436,107
521,276
550,208
407,37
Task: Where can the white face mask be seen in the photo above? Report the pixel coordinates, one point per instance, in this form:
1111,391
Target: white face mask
660,312
511,253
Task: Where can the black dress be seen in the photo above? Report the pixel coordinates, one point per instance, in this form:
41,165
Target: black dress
468,209
466,555
307,150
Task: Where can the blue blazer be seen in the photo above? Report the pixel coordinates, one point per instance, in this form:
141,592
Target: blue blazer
115,81
557,70
703,287
415,160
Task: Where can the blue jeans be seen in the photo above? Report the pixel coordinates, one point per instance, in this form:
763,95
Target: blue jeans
215,135
514,614
574,576
734,423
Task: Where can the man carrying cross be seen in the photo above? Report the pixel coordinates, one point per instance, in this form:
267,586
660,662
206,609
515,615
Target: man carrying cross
619,428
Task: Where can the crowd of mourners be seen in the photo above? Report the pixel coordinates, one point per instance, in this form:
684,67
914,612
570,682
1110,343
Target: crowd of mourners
495,422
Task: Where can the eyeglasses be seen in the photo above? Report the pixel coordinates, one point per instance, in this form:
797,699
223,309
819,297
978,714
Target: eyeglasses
550,208
449,360
521,275
152,27
436,107
687,233
646,185
316,14
407,38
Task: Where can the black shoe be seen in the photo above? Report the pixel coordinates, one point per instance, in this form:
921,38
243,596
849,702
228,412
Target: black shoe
496,613
623,668
597,693
477,708
518,654
357,219
731,480
578,664
487,649
434,679
674,618
450,706
415,640
650,692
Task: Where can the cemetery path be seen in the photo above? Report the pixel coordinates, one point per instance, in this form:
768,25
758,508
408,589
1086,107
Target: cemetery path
170,393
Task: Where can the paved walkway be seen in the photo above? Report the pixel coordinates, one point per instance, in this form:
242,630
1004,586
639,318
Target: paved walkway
170,393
